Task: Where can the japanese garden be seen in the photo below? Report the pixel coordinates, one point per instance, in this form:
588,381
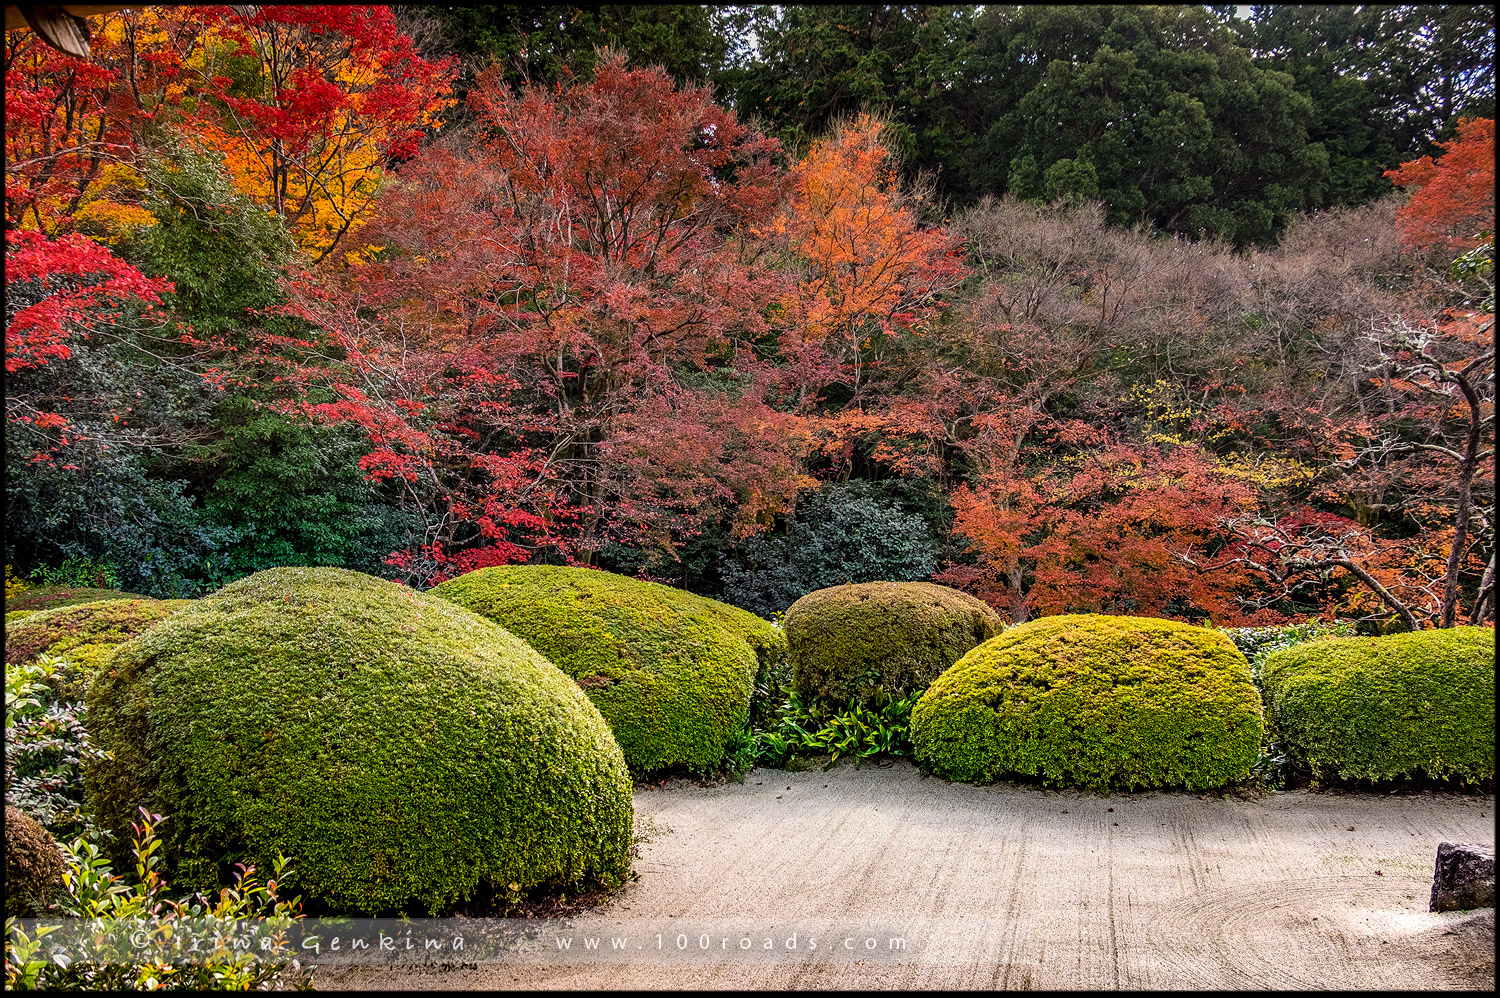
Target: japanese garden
1015,479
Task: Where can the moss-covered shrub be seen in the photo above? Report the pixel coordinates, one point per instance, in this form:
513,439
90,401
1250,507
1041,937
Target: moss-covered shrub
670,671
47,597
1094,701
1406,705
399,748
847,642
33,865
83,633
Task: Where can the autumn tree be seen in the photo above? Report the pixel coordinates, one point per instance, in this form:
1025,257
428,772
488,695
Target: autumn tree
1431,457
306,104
71,135
1453,196
1105,529
518,336
331,94
1424,450
871,275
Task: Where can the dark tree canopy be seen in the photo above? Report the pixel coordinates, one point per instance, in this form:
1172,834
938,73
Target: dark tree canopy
1386,81
1190,118
542,42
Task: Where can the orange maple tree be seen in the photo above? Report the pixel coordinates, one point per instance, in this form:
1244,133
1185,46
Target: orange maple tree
1453,196
870,270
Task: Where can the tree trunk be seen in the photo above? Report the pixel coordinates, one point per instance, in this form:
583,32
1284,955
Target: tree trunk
1465,502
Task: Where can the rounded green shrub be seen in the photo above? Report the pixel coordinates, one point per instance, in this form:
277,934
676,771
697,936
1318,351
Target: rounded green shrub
33,865
399,749
1094,701
1406,705
47,597
670,671
847,642
83,633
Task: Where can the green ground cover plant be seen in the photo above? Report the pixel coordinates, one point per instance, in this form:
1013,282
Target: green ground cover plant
670,671
46,745
1094,701
1407,705
783,731
405,750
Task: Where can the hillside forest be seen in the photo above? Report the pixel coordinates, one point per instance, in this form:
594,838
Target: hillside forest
1165,311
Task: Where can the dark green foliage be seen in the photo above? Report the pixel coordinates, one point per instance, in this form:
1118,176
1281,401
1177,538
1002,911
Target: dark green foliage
816,64
84,634
1158,111
48,597
111,509
1324,47
844,532
295,495
1405,71
1178,116
124,490
543,44
670,671
1094,701
857,643
1407,705
222,250
404,750
33,865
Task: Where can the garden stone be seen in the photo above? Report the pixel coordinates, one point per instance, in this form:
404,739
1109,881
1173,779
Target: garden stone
1464,878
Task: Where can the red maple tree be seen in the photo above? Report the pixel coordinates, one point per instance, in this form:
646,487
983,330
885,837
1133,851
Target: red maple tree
518,335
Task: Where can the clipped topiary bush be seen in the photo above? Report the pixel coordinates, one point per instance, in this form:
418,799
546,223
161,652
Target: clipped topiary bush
33,865
47,597
1406,705
83,633
398,748
847,642
670,671
1094,701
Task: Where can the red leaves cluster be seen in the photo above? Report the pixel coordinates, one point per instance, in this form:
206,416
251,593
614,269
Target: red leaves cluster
1105,532
586,233
80,283
305,102
1453,196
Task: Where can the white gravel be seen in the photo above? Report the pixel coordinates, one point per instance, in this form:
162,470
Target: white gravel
1018,887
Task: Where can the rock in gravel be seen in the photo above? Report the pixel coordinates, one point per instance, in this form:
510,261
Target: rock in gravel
1464,878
